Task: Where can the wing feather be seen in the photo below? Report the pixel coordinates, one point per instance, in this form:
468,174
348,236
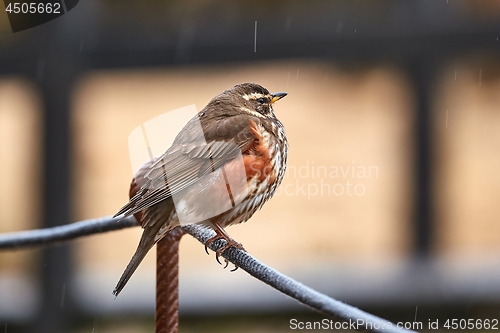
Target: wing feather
192,156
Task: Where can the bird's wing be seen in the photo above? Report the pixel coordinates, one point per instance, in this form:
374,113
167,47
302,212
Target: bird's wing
194,154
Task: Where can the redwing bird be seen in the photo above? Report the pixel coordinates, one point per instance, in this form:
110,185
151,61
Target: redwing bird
222,167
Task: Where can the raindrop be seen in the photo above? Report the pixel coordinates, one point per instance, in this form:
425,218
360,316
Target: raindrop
255,39
416,310
455,75
40,69
355,30
95,324
480,75
340,25
288,23
185,41
63,294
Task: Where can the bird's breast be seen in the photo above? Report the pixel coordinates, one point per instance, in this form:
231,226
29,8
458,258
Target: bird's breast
258,158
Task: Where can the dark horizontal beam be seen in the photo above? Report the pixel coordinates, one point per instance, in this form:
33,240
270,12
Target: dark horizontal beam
341,30
393,49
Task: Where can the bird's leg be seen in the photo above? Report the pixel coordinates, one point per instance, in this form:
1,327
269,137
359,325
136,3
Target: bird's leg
222,234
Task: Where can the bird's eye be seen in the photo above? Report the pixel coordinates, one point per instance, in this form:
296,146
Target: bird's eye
261,100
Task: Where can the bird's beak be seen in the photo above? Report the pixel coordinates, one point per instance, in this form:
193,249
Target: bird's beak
277,96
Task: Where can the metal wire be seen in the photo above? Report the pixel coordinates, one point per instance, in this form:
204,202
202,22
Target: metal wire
321,302
356,318
40,237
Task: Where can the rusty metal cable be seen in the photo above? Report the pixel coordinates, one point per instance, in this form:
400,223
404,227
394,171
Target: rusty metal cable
167,282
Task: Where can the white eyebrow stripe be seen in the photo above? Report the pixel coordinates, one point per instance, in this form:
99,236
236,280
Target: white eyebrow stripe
253,96
254,113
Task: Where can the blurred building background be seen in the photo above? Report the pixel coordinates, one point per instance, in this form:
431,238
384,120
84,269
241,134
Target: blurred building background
390,201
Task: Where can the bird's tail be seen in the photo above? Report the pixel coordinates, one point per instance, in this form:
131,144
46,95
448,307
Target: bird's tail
146,243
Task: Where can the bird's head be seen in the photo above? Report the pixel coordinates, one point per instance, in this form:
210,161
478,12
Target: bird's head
253,99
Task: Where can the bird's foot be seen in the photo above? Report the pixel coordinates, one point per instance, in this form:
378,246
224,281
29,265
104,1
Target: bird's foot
229,243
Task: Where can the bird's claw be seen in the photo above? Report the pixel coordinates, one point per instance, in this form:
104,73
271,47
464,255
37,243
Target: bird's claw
217,255
229,243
